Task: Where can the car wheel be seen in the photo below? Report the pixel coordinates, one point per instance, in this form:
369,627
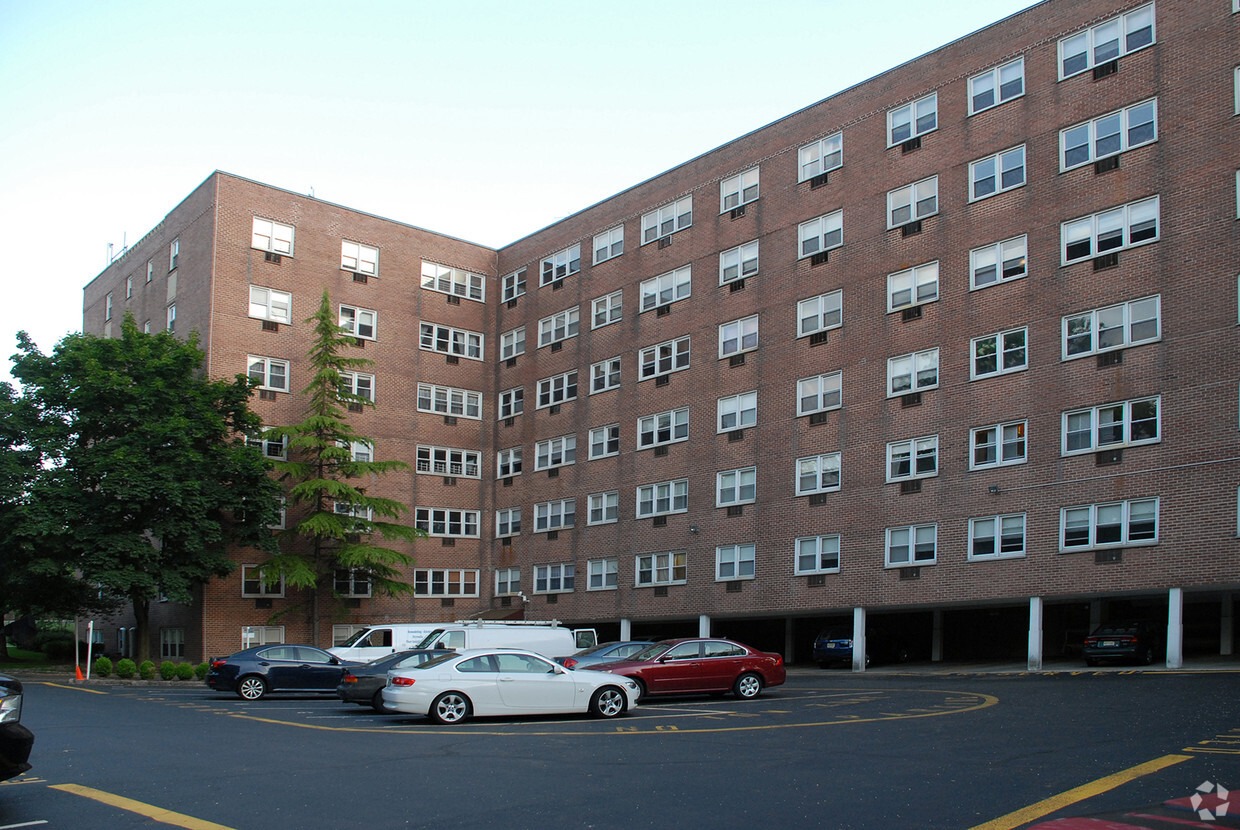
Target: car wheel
608,702
747,686
379,706
251,688
1147,656
450,707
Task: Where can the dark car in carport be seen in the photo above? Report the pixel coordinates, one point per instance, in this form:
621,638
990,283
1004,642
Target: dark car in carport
834,646
1123,642
16,740
277,667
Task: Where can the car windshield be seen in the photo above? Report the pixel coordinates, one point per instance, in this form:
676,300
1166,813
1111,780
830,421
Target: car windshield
1129,628
435,661
649,652
593,649
353,640
429,638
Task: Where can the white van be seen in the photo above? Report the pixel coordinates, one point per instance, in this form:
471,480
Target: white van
379,640
549,639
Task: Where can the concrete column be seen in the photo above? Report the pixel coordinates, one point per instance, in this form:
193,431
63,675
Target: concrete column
626,628
1226,634
1175,628
858,654
1035,634
936,638
704,625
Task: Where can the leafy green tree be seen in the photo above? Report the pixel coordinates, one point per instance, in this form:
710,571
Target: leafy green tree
147,479
328,462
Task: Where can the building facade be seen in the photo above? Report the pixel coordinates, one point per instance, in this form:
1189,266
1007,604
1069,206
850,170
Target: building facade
947,350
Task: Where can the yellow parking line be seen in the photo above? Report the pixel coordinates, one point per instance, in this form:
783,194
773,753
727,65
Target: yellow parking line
1064,799
78,688
157,813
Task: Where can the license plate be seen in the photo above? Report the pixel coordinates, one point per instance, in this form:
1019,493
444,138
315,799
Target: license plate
1108,644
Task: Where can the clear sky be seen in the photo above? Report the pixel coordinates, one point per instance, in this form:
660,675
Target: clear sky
483,119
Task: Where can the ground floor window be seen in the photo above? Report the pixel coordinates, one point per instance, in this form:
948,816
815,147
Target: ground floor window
261,635
172,643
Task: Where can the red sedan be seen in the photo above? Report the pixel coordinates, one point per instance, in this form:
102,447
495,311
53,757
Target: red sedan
689,666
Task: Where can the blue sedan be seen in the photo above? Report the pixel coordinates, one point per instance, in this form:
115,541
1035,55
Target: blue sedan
277,667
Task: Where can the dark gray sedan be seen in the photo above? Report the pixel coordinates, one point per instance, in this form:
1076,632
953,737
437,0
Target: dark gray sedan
364,684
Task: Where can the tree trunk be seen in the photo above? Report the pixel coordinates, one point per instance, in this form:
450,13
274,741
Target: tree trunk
142,618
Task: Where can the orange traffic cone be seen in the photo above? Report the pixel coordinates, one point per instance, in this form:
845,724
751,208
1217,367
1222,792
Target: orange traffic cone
79,672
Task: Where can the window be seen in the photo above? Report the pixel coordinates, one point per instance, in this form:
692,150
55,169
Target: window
441,582
1114,327
913,372
604,441
269,372
511,402
360,512
450,341
129,287
358,384
913,545
602,574
738,190
351,582
354,256
604,508
663,428
820,313
507,581
446,461
737,411
660,569
559,265
818,474
253,584
447,400
912,202
261,635
359,451
1111,525
734,562
514,285
738,336
150,270
913,286
508,462
915,458
820,235
440,522
606,310
999,354
512,343
1111,426
997,537
553,579
1000,262
1106,41
819,394
663,498
667,220
738,263
664,358
736,486
359,322
172,643
609,244
555,452
818,555
273,447
107,306
269,236
997,173
453,281
558,389
605,375
1109,135
666,289
557,327
554,515
996,86
997,445
912,120
822,156
174,250
171,321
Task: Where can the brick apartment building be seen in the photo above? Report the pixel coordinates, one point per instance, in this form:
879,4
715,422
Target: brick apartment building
946,350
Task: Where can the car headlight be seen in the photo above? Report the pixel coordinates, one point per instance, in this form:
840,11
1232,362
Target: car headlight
11,708
632,686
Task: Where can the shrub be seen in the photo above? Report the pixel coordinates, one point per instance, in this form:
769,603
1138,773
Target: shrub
184,671
103,667
167,670
200,671
125,668
58,650
147,670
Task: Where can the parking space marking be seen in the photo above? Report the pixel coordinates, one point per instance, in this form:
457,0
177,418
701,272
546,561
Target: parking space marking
38,823
149,810
67,686
1228,744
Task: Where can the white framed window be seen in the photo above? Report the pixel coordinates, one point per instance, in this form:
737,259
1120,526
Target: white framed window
606,310
1109,135
912,545
997,537
1106,41
265,304
447,400
913,120
359,322
817,555
359,451
738,336
511,402
818,474
554,579
663,498
605,375
604,508
603,574
271,373
609,244
663,359
821,313
560,451
736,487
449,461
508,462
913,372
453,281
997,86
170,323
174,249
604,441
362,259
997,173
450,341
663,428
1113,426
351,582
997,445
1114,327
820,234
998,262
358,384
361,512
913,286
273,447
559,326
1110,525
512,343
445,582
559,265
820,393
128,287
438,521
107,306
738,190
666,289
737,411
342,633
513,285
555,515
261,635
268,235
912,202
172,643
557,389
660,569
507,580
822,156
150,270
668,219
738,263
735,561
914,458
999,354
253,584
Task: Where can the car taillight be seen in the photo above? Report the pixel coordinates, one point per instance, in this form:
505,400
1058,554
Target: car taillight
215,664
569,662
1128,640
1091,641
402,681
349,677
